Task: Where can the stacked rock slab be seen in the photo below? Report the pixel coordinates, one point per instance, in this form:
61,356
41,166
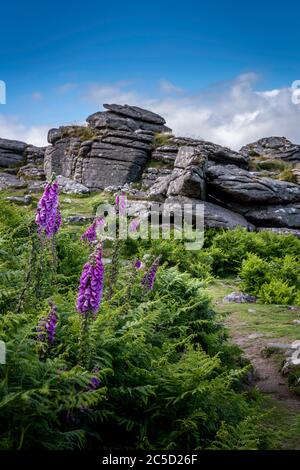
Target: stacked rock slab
115,153
274,147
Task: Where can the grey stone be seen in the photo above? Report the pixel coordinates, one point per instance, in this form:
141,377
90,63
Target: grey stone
11,181
54,135
214,152
166,154
31,171
187,178
11,152
235,184
280,231
214,216
273,147
69,186
135,112
150,175
218,217
20,200
278,346
35,187
34,154
102,120
79,219
271,216
240,297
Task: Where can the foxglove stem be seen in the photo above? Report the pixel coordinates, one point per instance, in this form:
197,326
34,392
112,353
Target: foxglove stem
115,266
121,204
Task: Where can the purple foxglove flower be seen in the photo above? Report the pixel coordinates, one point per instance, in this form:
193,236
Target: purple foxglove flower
48,217
134,225
47,326
149,278
121,204
90,235
137,264
91,284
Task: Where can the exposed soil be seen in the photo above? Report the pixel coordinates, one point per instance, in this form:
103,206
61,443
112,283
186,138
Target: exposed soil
267,376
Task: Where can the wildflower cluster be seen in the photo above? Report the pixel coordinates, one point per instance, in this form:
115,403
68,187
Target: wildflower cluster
47,326
149,278
91,284
48,216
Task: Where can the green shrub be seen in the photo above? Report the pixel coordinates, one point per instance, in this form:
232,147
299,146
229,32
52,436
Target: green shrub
162,138
288,175
277,292
164,384
254,273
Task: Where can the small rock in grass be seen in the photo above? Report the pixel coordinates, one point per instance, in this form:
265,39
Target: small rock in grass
256,335
20,200
240,297
251,310
296,322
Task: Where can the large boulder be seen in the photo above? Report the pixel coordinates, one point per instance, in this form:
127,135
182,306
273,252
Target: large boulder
165,153
287,215
111,151
11,153
69,186
145,119
231,183
215,153
8,181
151,175
214,216
32,172
187,178
273,147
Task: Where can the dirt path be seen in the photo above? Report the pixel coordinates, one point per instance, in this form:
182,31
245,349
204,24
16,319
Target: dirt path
267,376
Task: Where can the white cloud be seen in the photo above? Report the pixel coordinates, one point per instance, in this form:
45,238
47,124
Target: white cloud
37,96
115,93
65,88
12,128
168,87
231,113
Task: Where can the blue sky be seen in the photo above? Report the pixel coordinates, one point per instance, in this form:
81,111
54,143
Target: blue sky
62,60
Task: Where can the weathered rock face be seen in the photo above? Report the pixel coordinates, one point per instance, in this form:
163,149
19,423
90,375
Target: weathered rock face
11,181
214,216
166,154
287,215
11,153
273,147
215,153
120,146
188,177
234,184
116,151
150,175
69,186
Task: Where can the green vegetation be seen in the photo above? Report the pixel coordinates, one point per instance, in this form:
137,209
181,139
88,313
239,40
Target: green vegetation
82,132
288,175
162,138
169,378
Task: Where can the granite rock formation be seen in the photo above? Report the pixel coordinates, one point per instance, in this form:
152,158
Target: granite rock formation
126,144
